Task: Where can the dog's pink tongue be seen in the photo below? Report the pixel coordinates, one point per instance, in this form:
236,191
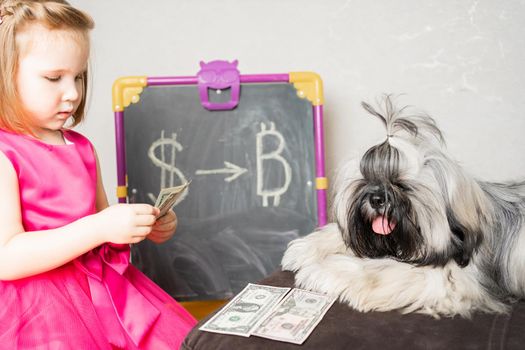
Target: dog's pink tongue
381,226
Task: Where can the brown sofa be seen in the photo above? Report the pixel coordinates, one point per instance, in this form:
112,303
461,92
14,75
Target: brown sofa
344,328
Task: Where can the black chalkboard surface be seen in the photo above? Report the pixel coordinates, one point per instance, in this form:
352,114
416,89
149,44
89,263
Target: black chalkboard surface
253,183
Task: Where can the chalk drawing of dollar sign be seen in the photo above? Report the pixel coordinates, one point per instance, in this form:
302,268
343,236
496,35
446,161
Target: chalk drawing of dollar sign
168,170
274,155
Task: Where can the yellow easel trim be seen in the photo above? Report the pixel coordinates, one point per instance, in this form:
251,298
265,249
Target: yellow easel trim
308,85
321,183
122,191
127,90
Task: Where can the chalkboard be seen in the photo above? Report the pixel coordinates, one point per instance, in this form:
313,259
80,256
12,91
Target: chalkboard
253,183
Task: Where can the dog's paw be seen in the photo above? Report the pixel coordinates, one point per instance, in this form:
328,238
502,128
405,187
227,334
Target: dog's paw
313,248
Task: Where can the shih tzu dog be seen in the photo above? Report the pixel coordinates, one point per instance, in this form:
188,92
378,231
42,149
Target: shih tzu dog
414,232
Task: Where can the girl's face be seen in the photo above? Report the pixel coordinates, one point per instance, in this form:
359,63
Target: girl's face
49,77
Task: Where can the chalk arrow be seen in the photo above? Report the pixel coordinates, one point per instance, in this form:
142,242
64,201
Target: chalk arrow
229,169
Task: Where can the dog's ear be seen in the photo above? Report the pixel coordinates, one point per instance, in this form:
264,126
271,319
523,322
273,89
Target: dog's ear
466,240
467,207
467,215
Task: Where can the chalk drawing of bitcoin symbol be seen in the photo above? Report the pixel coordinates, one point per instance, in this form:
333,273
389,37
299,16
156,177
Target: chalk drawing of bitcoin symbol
168,148
274,155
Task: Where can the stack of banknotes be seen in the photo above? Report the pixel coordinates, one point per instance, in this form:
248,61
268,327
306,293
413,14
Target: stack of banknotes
168,197
283,314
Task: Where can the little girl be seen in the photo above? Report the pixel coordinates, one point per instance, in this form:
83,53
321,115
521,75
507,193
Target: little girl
65,277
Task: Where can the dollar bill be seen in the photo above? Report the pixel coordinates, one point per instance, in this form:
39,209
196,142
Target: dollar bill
295,317
168,197
243,313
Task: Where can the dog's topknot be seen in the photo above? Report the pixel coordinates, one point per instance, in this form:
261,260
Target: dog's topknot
398,120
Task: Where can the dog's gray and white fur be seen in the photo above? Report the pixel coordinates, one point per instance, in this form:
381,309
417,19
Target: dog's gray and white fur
446,243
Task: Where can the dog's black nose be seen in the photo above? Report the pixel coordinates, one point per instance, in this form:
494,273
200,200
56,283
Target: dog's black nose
377,200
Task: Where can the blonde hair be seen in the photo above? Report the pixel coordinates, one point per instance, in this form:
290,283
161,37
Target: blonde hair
15,17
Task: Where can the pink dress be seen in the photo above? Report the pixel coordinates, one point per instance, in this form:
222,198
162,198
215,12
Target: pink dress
97,301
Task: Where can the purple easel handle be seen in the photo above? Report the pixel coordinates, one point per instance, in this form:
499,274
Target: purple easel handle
219,75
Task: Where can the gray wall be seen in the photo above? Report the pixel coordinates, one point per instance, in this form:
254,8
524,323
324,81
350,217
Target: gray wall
460,61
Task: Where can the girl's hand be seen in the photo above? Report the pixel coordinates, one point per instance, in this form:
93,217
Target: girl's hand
164,228
125,223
